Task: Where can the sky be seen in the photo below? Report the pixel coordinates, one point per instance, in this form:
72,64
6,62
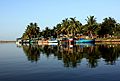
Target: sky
15,15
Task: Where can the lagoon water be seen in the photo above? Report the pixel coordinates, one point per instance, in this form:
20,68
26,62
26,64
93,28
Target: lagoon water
83,62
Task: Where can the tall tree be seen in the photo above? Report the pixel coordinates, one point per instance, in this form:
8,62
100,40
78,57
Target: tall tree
32,31
69,26
75,26
91,25
64,26
107,26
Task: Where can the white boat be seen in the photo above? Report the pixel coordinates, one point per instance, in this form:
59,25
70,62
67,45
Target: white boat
53,41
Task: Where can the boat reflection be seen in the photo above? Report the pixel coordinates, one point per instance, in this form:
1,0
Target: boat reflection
72,56
85,44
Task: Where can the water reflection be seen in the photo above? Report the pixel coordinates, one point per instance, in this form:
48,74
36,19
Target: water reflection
109,53
73,56
32,52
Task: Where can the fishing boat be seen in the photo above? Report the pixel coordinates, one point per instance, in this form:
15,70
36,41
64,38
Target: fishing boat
82,40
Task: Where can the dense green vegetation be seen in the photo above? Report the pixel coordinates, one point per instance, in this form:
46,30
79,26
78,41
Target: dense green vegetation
32,31
71,27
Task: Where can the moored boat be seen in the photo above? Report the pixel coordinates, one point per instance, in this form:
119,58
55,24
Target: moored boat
82,40
18,41
55,43
53,40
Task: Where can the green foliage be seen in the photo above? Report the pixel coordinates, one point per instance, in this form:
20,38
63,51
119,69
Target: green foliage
32,31
49,32
117,30
71,27
90,27
108,26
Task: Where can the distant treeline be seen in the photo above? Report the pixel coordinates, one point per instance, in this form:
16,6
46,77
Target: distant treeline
72,27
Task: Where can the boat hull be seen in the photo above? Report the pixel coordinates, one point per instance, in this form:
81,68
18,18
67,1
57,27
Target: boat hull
55,41
85,41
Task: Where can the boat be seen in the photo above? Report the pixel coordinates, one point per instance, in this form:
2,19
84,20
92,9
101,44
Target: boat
82,40
18,41
53,40
53,44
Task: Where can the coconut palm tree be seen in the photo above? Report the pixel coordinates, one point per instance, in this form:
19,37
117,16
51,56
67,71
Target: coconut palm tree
69,26
75,26
32,31
64,26
91,25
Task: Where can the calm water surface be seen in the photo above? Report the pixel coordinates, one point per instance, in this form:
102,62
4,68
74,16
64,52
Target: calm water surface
83,62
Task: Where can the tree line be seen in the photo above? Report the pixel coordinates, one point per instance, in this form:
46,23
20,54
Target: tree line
71,26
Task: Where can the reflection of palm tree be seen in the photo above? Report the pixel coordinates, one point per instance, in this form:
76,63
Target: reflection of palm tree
93,60
71,57
92,55
32,53
110,54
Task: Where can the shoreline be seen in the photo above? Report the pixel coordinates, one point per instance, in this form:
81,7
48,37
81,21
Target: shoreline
97,40
4,41
107,40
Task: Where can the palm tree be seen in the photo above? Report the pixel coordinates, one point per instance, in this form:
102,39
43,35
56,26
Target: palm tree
64,26
32,31
91,25
69,26
75,26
